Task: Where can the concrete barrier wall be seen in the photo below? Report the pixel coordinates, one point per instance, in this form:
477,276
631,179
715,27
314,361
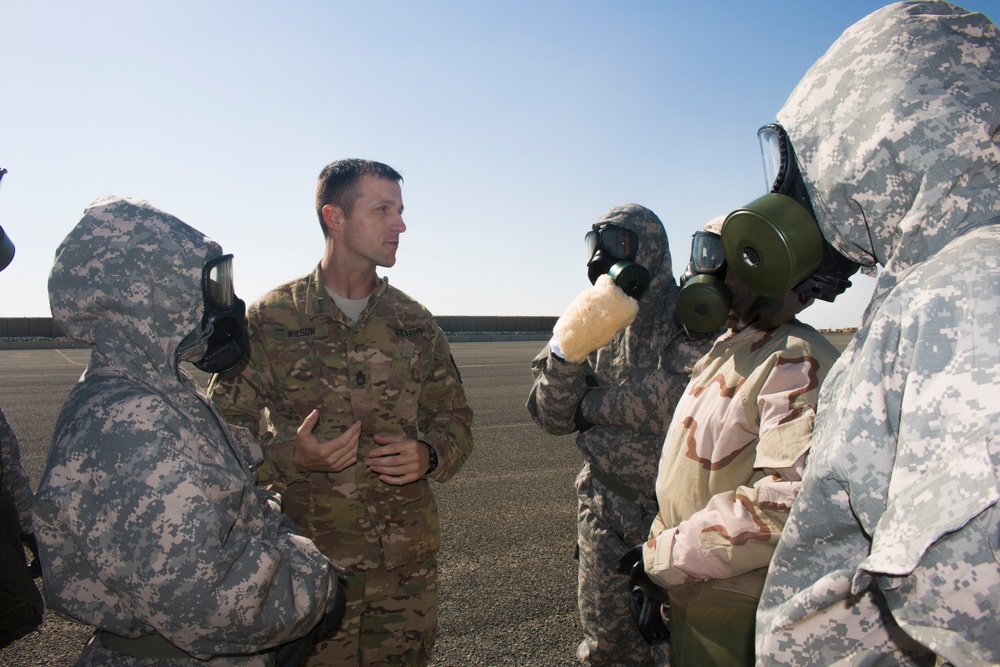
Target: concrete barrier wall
470,323
44,327
29,327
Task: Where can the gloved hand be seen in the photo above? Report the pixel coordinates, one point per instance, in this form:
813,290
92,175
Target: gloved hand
582,423
592,319
335,613
35,567
646,598
294,652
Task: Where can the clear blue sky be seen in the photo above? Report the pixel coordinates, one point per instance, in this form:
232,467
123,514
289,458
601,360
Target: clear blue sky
515,124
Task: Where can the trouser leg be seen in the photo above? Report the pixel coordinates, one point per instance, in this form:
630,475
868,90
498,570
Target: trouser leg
390,619
607,527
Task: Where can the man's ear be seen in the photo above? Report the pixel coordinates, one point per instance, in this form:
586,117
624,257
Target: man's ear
333,217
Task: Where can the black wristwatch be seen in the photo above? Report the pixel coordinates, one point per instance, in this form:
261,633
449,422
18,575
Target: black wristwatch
434,460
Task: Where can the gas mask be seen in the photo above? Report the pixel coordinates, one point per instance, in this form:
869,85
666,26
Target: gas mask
6,250
774,244
223,326
611,249
6,246
704,300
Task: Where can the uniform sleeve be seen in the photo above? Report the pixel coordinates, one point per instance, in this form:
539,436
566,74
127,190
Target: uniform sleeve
241,396
444,417
559,386
644,404
15,480
734,534
645,401
180,547
737,531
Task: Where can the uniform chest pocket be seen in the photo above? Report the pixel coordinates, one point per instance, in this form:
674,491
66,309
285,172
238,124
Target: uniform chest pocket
402,385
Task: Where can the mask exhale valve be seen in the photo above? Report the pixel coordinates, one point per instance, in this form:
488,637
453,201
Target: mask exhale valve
704,300
774,244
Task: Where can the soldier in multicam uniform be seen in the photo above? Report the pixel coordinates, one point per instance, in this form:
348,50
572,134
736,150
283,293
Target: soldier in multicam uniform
730,466
148,519
363,405
890,553
620,400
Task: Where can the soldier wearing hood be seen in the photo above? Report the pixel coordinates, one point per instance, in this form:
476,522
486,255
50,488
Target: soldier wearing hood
616,383
148,521
890,553
731,463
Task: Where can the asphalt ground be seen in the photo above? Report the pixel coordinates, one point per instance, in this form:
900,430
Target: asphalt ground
507,568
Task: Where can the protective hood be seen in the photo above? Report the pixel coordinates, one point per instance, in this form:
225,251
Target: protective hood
894,132
127,279
654,250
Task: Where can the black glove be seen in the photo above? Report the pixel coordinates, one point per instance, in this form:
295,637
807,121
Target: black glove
335,614
294,652
646,612
35,568
646,597
581,422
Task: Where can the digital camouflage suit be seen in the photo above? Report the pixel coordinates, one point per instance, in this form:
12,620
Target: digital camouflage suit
638,376
393,371
21,606
147,516
890,552
15,482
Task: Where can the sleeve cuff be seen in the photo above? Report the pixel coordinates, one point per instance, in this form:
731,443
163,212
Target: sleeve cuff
657,557
282,459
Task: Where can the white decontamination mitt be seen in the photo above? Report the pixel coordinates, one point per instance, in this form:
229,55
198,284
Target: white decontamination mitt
592,319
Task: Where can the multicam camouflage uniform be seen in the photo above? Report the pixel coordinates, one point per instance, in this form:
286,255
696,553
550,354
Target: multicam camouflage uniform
15,480
393,371
890,553
639,376
729,471
147,516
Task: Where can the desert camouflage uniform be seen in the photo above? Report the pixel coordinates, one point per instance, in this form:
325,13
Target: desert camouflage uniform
147,515
890,553
733,459
15,480
393,371
639,376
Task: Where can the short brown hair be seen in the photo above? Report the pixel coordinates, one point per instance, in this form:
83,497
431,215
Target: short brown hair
338,183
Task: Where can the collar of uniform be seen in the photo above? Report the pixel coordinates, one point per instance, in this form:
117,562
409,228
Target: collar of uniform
316,298
318,301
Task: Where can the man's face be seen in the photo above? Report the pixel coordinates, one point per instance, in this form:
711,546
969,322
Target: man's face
371,231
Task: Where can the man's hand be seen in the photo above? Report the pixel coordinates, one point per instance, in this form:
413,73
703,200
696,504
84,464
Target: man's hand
329,456
400,460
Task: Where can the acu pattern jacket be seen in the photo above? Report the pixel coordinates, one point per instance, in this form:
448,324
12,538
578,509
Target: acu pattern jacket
148,517
890,553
